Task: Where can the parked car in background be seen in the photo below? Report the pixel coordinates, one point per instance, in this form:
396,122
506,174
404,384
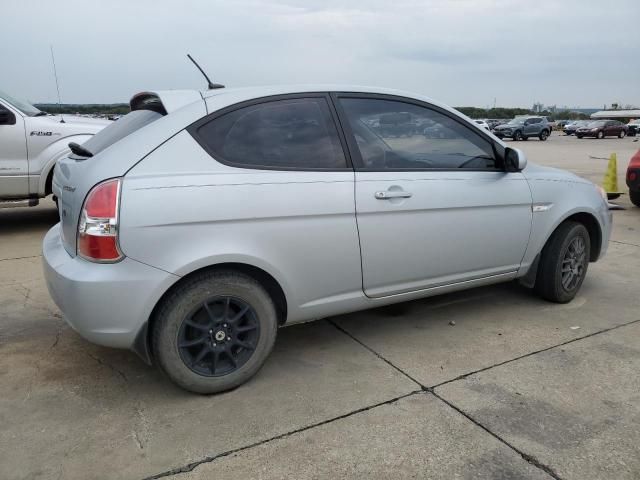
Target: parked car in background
633,127
285,207
551,122
31,141
494,122
571,128
633,179
602,128
522,128
483,124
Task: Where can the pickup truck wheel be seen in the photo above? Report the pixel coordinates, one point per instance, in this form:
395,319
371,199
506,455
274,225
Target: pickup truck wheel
543,135
622,134
215,331
600,135
564,262
517,135
634,195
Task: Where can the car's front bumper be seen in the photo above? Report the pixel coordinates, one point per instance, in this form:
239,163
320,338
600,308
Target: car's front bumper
106,303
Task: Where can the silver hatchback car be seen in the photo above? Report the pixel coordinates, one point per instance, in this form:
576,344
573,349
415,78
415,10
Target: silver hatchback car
196,225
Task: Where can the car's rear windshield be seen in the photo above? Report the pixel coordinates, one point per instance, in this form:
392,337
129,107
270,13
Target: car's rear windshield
119,129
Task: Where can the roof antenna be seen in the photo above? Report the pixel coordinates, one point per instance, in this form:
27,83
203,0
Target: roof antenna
55,74
210,85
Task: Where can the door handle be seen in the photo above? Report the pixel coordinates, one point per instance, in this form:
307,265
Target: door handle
392,194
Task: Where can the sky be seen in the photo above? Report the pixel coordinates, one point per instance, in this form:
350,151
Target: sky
580,53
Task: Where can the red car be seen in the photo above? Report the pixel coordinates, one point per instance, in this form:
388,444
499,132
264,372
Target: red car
633,179
603,128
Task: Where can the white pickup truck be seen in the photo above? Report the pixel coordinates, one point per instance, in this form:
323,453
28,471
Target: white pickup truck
31,142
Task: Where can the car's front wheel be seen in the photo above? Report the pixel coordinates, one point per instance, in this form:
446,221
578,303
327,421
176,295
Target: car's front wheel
543,135
634,195
517,135
579,136
214,331
564,262
600,135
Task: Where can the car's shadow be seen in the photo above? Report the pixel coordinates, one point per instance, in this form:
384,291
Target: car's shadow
297,349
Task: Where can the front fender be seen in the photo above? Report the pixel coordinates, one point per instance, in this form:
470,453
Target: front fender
42,165
567,199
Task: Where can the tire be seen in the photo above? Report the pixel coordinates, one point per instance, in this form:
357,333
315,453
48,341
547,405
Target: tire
517,135
622,134
543,135
579,136
600,135
564,244
189,330
634,195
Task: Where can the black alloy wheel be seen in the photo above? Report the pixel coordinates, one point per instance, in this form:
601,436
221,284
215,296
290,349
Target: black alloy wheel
218,336
573,264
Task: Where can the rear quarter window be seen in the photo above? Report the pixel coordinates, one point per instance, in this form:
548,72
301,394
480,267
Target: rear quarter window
296,134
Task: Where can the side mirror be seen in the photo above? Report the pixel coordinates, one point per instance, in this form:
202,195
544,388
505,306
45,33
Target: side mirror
515,160
7,117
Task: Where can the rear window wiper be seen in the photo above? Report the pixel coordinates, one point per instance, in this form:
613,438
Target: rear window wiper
80,150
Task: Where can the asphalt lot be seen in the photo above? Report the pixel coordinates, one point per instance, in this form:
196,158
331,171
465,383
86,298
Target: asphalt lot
517,388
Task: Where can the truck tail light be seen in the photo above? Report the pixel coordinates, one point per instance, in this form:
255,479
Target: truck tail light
98,226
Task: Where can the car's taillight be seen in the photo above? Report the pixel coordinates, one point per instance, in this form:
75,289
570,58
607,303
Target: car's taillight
98,226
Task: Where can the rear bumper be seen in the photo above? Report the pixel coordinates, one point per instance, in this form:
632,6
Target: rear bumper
107,304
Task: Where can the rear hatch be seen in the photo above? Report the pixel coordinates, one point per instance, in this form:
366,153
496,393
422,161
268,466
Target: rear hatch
115,149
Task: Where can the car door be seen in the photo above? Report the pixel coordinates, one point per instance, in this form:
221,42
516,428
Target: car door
532,127
431,209
14,170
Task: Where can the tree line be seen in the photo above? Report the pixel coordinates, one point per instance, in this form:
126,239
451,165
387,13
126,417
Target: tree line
87,109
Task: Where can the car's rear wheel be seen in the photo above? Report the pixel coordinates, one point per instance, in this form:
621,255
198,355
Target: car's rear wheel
622,134
215,331
564,262
517,135
543,135
600,135
634,195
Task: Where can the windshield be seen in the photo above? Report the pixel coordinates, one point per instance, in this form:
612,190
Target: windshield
596,124
516,121
23,106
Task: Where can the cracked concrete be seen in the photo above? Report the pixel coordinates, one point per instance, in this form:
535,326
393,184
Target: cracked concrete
519,391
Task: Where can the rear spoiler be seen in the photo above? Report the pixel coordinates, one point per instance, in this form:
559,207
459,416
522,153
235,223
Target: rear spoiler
164,101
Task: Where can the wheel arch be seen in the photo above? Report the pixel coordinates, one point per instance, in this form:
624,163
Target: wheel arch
142,344
593,227
50,156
